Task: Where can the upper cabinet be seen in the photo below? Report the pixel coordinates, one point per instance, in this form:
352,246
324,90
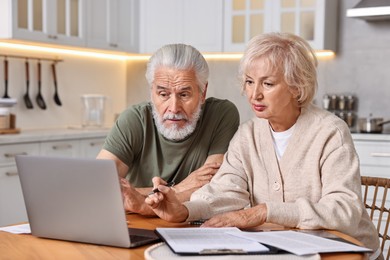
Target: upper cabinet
54,21
112,25
143,26
195,22
313,20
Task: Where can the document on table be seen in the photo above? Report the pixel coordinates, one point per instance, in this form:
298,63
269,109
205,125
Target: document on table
17,229
205,241
299,243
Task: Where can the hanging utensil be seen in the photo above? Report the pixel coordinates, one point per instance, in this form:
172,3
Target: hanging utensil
56,96
6,78
26,96
40,101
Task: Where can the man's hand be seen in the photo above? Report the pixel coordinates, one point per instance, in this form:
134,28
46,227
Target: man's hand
133,201
165,204
245,218
196,179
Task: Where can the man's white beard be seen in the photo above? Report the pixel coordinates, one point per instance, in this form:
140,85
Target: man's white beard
174,132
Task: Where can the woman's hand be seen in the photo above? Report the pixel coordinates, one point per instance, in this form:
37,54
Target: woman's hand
245,218
165,204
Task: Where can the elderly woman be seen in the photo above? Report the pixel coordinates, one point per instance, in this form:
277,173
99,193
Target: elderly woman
294,164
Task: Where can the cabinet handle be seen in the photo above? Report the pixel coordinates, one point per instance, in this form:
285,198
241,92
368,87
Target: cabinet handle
62,147
380,154
13,155
11,174
114,45
96,143
54,37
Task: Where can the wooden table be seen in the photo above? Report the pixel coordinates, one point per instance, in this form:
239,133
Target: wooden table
29,247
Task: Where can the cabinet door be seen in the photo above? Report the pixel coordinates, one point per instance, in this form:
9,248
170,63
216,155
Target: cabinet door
12,207
159,23
9,151
194,22
69,148
112,25
91,147
245,19
374,158
55,21
313,20
201,24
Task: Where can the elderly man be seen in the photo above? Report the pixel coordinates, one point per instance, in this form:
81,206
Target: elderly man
179,136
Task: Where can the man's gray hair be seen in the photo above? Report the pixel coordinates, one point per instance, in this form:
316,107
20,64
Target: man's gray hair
180,57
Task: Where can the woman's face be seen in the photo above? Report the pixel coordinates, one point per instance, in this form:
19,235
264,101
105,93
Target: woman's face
269,95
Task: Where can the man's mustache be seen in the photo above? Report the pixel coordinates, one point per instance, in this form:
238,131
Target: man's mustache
170,116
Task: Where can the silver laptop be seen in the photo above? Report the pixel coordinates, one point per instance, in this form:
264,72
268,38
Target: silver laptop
77,200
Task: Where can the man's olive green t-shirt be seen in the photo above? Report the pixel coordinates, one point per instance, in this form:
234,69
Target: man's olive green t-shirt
135,140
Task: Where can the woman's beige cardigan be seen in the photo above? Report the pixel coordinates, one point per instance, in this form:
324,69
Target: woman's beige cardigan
315,185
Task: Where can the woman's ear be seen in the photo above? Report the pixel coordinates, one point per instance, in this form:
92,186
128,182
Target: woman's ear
295,92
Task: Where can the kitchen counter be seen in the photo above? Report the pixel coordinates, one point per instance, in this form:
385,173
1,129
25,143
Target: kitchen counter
52,134
371,137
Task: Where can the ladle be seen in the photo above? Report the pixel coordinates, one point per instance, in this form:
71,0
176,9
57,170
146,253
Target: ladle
40,101
56,96
26,96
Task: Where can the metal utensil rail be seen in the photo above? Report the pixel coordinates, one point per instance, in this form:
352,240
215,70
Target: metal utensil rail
30,58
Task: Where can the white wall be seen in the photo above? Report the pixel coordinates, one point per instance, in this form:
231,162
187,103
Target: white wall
76,76
361,67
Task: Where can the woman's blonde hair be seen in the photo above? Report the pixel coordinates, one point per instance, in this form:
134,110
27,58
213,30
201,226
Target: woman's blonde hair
288,53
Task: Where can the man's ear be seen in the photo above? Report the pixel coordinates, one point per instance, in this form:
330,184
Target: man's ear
204,92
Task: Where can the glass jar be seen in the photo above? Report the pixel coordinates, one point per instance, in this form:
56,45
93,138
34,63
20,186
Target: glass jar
4,118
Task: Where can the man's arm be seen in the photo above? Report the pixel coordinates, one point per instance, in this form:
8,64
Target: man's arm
133,199
199,177
121,167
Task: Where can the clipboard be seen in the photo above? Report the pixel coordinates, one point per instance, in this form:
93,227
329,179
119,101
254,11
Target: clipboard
209,241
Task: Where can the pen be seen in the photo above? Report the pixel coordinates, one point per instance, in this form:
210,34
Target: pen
197,222
169,184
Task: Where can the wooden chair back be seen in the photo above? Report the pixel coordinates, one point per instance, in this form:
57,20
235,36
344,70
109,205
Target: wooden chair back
374,197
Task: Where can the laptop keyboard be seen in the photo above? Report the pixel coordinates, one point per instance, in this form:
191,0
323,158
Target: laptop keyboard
137,238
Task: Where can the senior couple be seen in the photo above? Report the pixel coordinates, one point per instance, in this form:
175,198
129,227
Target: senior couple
293,164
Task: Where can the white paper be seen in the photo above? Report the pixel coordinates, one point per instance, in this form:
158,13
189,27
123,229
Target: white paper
195,240
299,243
17,229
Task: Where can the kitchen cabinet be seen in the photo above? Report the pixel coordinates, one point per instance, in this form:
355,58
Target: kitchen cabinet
194,22
309,19
71,143
12,209
374,154
91,147
54,22
68,148
113,25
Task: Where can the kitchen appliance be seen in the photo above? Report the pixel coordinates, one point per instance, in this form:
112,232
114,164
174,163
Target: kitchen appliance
370,10
94,106
371,124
